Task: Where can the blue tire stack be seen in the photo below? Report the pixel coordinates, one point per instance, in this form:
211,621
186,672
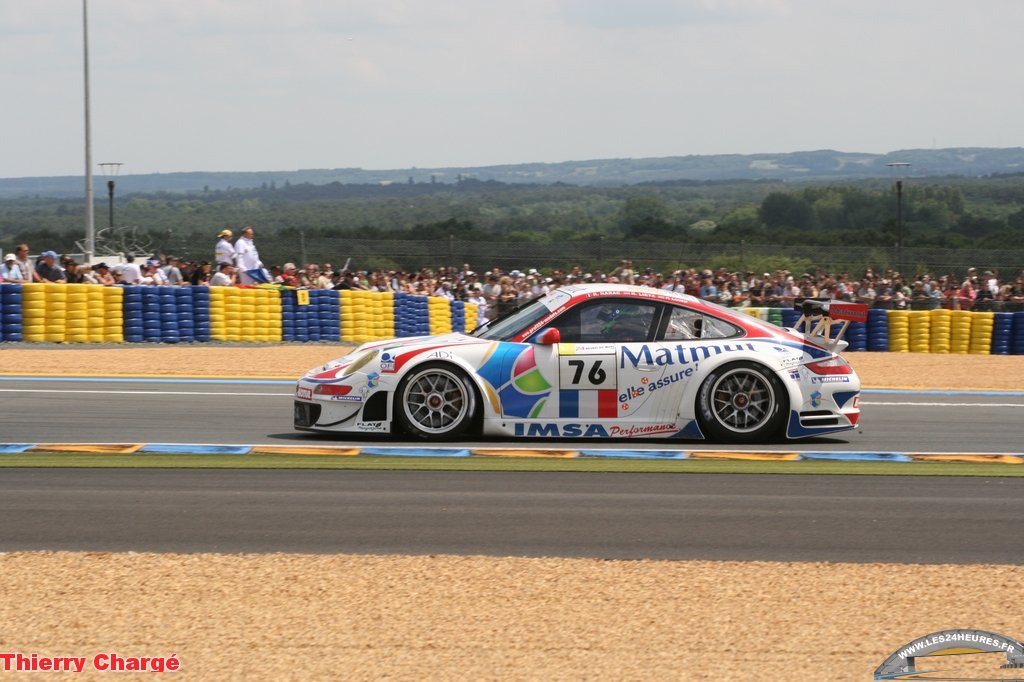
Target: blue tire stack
10,312
186,322
200,312
878,330
302,319
458,317
170,332
313,315
134,323
402,316
1002,333
421,316
151,323
857,336
288,303
329,313
1017,334
789,317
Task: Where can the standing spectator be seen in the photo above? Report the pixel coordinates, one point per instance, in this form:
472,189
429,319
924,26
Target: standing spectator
27,271
202,274
47,268
247,258
9,271
288,275
224,276
71,273
224,252
155,273
101,271
476,297
130,272
172,272
492,292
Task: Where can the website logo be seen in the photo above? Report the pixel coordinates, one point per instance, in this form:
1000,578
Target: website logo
902,664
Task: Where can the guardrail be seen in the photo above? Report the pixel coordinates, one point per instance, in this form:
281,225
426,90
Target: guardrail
87,313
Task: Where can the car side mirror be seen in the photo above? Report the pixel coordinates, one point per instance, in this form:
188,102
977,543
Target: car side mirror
549,337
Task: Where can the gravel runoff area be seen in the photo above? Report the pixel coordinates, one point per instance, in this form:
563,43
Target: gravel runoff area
279,617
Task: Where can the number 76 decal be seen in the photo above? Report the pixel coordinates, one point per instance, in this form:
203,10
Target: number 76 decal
586,372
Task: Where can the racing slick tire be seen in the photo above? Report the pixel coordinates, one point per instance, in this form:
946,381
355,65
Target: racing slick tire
436,401
742,402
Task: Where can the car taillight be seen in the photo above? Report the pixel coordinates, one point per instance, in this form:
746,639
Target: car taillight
834,366
332,389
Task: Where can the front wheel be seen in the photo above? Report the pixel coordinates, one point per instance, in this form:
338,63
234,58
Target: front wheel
435,402
742,402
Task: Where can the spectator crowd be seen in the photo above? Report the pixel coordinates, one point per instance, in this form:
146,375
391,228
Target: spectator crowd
496,291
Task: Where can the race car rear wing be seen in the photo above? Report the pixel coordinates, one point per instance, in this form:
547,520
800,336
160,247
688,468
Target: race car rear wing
825,321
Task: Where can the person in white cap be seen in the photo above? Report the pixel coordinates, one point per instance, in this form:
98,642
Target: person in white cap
224,252
9,271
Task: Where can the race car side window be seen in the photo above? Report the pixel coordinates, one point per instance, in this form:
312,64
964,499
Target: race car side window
685,324
607,321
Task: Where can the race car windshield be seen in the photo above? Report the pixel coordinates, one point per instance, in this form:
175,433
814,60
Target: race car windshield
520,318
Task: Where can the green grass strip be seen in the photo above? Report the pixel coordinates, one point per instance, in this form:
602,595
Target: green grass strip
136,461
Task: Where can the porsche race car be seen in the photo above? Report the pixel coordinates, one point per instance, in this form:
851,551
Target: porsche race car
598,361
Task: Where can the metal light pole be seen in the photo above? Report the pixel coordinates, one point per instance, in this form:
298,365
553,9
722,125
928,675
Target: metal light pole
111,170
90,223
899,168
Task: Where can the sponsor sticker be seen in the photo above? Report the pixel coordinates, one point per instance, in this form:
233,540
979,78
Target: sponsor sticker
303,393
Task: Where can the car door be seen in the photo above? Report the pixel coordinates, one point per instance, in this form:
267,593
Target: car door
588,361
655,376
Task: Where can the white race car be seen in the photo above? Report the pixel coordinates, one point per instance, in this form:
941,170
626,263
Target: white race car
598,361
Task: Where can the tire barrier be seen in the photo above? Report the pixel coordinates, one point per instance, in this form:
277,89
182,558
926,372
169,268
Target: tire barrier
88,313
899,331
11,312
878,331
1002,333
1017,337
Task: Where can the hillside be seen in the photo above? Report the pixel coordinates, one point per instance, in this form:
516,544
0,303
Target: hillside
812,165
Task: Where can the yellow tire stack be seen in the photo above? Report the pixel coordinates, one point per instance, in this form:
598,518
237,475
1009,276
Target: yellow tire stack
941,333
348,315
57,312
981,333
76,313
219,313
471,315
959,331
899,331
33,312
233,313
270,307
246,326
920,331
96,312
440,310
113,314
383,315
759,313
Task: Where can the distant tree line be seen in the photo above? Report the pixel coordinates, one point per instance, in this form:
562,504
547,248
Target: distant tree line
951,213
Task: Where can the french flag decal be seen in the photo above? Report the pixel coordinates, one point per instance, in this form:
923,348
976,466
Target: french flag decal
583,404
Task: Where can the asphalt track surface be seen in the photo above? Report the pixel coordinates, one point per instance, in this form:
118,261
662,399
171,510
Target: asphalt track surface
260,413
660,516
612,516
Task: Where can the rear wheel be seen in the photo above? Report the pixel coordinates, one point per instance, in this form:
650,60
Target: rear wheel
435,402
742,402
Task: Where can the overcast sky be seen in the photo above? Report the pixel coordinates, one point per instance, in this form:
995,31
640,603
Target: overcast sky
236,85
